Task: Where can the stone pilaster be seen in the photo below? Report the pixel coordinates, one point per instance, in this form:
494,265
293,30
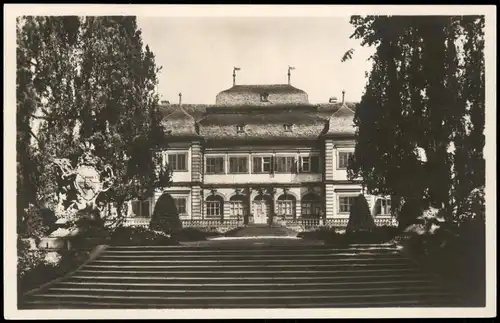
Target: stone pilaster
196,203
329,201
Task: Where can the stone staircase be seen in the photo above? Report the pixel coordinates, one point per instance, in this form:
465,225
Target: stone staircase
244,276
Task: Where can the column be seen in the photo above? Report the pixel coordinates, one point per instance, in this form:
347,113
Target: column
298,208
226,211
196,203
249,206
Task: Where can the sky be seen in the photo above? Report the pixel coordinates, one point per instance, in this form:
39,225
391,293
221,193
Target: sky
197,55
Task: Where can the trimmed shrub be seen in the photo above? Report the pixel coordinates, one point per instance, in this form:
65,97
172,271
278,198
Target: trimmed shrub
165,215
360,218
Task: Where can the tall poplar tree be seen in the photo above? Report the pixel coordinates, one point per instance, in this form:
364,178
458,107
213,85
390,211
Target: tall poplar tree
425,90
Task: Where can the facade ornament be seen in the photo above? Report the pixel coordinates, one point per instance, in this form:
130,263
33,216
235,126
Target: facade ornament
237,191
82,184
213,191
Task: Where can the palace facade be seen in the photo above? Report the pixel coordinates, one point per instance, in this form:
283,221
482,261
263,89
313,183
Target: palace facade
260,154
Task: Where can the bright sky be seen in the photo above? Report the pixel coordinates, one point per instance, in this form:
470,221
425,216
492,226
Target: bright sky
198,55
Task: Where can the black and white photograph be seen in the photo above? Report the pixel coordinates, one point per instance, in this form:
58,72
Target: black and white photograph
257,161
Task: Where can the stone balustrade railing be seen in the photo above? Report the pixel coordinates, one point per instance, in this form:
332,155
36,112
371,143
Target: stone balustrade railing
212,223
136,222
304,223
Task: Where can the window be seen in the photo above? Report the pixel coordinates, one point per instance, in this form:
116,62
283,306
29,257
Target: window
285,164
177,162
287,127
309,164
213,209
305,164
140,208
310,206
286,205
343,158
180,204
214,206
383,206
240,128
345,203
238,164
262,164
237,206
215,165
264,97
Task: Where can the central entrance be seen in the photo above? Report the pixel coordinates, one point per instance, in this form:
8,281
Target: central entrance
261,209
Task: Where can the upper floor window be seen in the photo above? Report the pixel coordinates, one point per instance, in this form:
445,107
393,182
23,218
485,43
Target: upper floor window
287,127
177,161
180,204
262,164
285,164
215,165
343,159
240,128
309,164
345,203
140,208
238,164
264,97
383,206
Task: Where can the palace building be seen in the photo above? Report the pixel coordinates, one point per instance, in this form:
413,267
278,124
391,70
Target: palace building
260,154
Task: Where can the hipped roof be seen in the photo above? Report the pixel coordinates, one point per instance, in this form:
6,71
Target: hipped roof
198,120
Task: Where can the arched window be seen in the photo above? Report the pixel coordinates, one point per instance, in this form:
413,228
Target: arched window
286,205
214,205
238,205
310,206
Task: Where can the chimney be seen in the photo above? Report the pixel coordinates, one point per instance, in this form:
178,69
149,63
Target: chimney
165,102
333,99
343,96
180,98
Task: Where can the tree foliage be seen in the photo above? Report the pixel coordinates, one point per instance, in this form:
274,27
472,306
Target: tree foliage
86,79
426,90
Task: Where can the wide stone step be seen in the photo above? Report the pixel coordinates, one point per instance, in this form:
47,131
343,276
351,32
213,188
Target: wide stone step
337,256
152,267
207,304
343,278
243,250
265,291
241,272
254,262
290,285
258,298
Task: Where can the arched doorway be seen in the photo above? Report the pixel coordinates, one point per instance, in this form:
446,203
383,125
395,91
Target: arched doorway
214,207
286,206
261,209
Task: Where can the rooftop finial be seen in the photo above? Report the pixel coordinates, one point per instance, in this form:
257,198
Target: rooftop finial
234,74
180,98
343,96
289,73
